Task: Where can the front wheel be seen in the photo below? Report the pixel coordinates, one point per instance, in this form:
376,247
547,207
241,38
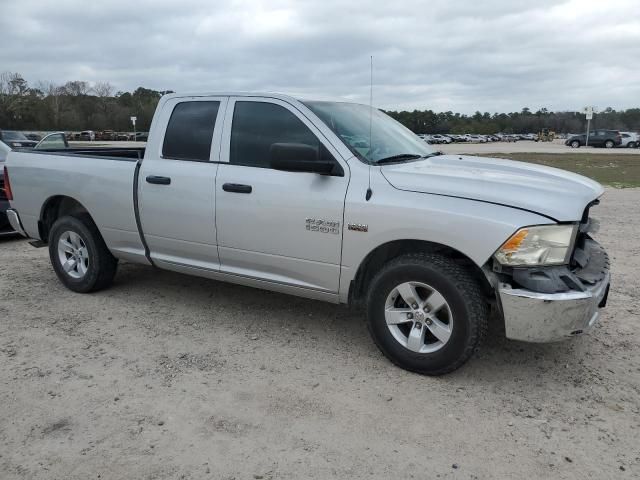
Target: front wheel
575,144
79,256
426,313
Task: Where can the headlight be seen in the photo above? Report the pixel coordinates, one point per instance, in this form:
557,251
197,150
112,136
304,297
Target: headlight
541,245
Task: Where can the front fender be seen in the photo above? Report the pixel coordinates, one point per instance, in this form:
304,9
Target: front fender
474,228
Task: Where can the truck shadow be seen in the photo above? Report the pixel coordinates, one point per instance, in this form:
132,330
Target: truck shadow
339,330
11,238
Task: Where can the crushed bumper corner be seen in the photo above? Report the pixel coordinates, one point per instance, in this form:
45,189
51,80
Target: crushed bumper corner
549,317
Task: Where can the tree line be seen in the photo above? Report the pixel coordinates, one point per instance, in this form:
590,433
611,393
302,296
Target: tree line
74,105
79,105
525,121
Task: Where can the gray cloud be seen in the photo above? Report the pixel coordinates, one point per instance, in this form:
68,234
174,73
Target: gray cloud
497,55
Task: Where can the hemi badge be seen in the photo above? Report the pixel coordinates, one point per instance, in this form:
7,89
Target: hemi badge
358,227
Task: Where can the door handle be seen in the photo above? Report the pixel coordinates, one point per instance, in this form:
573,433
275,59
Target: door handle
158,180
236,188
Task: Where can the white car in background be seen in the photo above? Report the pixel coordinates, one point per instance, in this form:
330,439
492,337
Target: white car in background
629,139
88,135
437,138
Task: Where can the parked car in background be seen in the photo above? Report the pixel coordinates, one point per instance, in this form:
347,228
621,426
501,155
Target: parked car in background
629,139
33,136
505,137
476,138
88,135
142,136
458,138
438,138
597,138
15,139
106,135
411,257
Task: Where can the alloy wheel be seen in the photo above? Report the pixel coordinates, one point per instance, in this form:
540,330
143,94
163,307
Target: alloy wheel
73,254
418,317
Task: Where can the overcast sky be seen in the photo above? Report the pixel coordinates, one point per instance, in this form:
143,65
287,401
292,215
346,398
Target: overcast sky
487,55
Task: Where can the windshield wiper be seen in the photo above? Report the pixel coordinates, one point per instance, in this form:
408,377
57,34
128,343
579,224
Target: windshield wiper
398,158
406,156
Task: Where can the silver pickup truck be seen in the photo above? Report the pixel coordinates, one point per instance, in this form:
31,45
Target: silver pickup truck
331,201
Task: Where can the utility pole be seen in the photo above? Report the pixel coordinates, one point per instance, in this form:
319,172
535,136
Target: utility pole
589,113
133,120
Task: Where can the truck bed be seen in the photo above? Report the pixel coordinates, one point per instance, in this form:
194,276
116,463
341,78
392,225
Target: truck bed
102,180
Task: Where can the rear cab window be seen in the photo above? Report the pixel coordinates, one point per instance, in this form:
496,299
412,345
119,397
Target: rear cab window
190,131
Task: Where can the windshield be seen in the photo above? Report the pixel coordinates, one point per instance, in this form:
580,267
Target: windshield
13,136
353,122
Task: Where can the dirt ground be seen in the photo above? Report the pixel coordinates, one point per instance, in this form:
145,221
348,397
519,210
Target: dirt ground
173,377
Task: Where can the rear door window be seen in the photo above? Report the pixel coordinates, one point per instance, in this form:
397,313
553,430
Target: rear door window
190,131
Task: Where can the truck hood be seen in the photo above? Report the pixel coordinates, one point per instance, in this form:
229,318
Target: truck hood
549,191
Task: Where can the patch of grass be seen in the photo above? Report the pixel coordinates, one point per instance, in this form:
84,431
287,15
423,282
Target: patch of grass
619,171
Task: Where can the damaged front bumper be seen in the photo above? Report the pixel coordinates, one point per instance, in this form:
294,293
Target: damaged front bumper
533,316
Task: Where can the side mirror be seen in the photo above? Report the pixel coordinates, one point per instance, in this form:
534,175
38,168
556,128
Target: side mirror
299,157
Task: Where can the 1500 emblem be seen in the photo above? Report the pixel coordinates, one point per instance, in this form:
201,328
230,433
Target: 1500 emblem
358,227
322,226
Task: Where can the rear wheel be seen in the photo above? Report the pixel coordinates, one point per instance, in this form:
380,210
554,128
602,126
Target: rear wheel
426,313
79,256
575,144
631,145
609,144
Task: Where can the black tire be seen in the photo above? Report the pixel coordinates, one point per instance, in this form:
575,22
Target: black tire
609,144
461,291
4,221
575,144
631,145
102,265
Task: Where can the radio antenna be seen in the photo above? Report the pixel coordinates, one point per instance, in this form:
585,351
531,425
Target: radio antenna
369,191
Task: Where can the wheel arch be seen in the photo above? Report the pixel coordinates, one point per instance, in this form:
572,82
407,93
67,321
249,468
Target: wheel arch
55,207
382,254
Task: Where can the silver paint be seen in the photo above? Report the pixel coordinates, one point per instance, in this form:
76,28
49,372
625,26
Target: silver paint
468,204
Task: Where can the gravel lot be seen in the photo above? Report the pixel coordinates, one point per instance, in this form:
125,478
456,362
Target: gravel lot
169,376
